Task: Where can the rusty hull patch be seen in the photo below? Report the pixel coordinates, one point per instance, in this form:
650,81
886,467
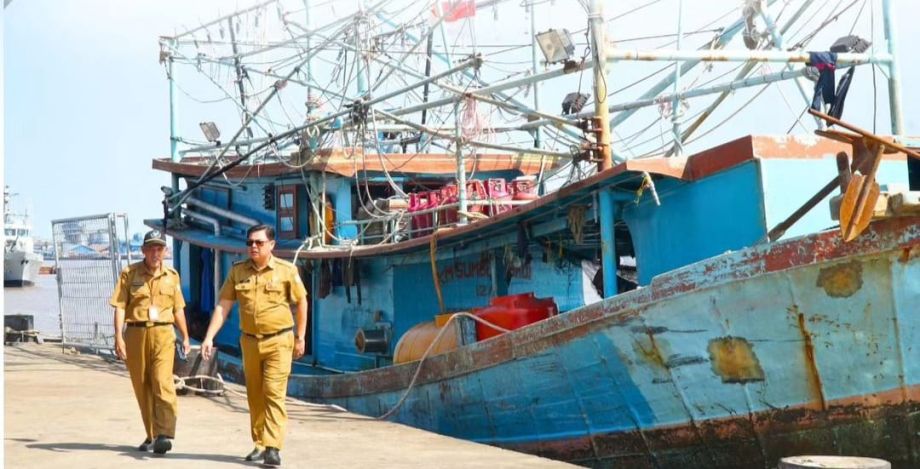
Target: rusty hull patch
885,432
841,280
733,359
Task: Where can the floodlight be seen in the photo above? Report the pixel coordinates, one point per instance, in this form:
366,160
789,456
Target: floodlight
556,45
210,131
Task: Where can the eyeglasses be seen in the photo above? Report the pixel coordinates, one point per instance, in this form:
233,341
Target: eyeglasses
257,242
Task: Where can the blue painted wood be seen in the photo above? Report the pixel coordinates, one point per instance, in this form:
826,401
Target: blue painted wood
696,220
807,176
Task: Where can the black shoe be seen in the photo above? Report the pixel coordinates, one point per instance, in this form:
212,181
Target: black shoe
162,445
145,446
255,455
271,457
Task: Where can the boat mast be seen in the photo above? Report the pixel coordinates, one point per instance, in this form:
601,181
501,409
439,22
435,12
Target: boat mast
606,208
894,79
533,60
238,66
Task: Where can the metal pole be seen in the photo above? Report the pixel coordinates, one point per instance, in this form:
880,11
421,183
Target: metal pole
469,74
440,12
694,56
533,59
675,102
127,243
238,65
461,167
59,276
599,46
173,120
722,40
360,51
474,143
331,117
894,74
231,15
744,73
306,10
604,196
608,241
777,36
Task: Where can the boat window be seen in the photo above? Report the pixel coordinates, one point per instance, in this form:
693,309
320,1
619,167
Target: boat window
288,217
10,232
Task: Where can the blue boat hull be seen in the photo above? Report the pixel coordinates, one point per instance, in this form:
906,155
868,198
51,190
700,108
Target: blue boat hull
804,346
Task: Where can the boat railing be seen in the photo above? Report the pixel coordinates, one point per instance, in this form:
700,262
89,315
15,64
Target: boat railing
396,226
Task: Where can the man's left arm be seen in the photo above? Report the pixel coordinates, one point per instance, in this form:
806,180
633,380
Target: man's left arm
300,342
183,329
299,296
179,315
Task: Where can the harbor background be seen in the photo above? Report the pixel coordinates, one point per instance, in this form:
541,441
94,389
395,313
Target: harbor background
40,301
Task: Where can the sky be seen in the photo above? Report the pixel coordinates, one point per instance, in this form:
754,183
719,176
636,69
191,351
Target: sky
86,100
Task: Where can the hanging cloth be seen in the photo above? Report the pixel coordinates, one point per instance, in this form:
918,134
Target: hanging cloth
842,88
206,295
826,63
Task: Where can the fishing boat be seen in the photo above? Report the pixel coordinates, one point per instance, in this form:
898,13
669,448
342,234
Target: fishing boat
20,263
484,268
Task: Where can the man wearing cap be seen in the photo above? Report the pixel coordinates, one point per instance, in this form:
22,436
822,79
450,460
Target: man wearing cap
265,288
148,302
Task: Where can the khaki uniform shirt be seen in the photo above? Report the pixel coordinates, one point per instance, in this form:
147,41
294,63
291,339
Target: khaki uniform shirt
265,295
138,289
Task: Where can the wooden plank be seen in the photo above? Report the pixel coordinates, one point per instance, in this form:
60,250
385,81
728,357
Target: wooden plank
858,202
865,133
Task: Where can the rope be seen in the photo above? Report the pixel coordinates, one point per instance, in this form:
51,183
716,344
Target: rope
421,361
181,384
576,219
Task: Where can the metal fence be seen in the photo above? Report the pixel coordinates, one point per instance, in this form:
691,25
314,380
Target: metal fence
89,253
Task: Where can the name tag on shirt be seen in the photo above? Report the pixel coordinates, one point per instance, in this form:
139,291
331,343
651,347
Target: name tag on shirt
153,313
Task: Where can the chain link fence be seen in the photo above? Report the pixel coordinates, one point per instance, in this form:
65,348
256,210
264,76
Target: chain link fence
89,253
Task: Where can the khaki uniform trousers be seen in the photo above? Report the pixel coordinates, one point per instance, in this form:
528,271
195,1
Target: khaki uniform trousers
151,353
267,366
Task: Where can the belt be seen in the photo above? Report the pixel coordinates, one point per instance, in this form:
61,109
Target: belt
147,324
265,336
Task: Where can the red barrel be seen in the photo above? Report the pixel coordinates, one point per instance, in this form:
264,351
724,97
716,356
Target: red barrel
513,312
524,189
421,224
449,195
475,190
498,191
434,201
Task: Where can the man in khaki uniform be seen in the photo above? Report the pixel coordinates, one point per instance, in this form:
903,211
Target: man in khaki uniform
148,300
265,288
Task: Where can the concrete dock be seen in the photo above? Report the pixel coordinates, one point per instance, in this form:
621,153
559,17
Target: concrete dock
77,410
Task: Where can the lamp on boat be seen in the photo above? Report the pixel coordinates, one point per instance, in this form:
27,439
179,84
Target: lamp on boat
372,340
574,102
556,45
210,131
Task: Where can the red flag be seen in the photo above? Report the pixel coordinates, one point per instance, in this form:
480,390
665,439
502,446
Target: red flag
454,10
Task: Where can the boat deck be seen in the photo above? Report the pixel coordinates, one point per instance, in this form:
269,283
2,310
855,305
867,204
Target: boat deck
77,410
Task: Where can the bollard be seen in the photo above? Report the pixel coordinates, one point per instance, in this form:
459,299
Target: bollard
832,462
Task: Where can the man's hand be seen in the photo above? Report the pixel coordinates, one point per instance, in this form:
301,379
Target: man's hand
299,346
120,351
186,345
207,348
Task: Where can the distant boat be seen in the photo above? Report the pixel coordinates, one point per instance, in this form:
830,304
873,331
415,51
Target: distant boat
20,263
